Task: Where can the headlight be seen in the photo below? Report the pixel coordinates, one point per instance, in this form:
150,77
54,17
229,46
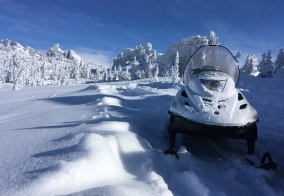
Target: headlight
214,85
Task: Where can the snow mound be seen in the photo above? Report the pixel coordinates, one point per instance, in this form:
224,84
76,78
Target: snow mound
107,89
100,166
109,101
111,126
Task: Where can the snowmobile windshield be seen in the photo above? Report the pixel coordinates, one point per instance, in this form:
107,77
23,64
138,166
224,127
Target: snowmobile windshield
211,59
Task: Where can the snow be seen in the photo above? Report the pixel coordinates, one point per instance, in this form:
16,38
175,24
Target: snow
145,58
73,56
109,138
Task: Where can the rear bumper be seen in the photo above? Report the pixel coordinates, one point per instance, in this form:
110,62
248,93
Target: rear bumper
178,124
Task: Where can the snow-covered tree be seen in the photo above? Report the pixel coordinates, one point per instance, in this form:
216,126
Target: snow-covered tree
213,40
109,75
105,75
138,74
279,62
26,66
139,58
127,75
43,71
175,69
87,74
55,51
115,73
251,66
135,62
135,65
148,70
75,70
156,73
148,47
99,76
266,66
119,73
146,53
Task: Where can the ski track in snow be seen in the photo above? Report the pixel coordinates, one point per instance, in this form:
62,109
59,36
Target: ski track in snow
109,138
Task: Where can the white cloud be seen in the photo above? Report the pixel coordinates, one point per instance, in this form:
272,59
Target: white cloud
99,57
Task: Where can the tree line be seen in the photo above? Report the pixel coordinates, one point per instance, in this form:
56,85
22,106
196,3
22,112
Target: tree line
266,67
27,67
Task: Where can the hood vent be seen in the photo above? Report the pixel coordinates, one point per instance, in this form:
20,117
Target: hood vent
240,97
243,106
183,93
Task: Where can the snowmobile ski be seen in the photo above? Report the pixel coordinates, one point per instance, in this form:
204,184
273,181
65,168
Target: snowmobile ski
266,162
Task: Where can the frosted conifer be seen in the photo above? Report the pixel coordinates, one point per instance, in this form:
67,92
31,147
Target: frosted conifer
175,69
213,39
279,62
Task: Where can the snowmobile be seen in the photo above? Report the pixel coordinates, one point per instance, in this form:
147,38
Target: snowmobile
209,104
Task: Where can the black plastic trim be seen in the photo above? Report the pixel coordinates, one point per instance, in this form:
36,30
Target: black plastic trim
180,124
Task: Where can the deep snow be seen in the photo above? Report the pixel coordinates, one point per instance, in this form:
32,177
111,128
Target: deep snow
109,138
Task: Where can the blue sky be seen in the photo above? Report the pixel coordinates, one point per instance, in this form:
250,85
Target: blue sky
100,29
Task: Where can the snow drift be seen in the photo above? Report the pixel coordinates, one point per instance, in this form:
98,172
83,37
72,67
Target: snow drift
109,138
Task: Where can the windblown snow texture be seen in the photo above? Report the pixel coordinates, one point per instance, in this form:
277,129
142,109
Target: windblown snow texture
109,138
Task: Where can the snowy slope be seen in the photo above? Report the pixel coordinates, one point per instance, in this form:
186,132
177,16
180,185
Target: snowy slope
108,139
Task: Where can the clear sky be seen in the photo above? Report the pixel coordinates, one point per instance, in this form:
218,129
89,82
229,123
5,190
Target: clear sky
102,28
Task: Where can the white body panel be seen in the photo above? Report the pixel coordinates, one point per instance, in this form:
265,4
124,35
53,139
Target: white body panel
224,106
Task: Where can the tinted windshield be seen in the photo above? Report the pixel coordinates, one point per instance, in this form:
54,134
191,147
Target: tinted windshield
211,58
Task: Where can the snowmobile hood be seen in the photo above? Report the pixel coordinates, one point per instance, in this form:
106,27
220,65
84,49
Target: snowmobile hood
209,95
211,59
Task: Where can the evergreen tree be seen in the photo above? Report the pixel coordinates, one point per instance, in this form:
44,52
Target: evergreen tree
156,73
105,75
26,66
109,75
116,78
139,58
251,66
213,39
266,66
127,76
119,72
138,74
148,70
279,62
135,62
175,69
43,70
